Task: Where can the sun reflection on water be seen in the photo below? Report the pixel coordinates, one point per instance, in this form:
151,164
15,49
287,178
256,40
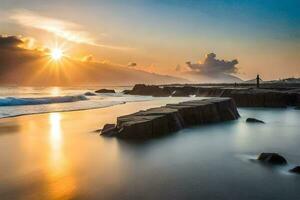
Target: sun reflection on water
59,174
55,129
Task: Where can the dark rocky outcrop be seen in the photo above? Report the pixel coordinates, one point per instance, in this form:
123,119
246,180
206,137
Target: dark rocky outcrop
108,130
295,170
148,90
90,94
253,120
183,91
105,91
159,121
272,158
244,97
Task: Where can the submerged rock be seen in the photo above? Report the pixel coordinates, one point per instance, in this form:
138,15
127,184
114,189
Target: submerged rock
295,170
253,120
105,91
159,121
272,158
126,91
90,94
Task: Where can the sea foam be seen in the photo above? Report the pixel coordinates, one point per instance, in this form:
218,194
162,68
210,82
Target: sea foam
13,101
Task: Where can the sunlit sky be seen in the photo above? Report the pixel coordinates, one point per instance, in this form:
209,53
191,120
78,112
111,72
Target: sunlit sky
159,35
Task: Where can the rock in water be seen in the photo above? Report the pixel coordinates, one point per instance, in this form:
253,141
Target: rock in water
159,121
253,120
89,94
295,170
272,158
151,90
108,130
105,91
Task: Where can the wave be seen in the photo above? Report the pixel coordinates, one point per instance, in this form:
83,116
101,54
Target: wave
13,101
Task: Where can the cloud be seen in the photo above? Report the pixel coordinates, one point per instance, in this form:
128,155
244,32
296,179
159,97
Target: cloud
22,66
10,41
68,30
88,58
213,66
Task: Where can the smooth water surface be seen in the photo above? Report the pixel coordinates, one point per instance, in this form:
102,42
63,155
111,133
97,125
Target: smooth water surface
58,156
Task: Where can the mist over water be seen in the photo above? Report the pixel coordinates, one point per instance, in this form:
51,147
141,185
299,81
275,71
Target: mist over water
57,155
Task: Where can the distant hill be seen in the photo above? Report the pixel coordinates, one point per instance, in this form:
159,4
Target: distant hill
219,78
28,67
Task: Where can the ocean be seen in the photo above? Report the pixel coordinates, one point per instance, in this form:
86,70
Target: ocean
59,155
15,101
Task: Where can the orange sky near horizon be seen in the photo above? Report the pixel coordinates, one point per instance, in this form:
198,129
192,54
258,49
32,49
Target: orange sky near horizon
155,46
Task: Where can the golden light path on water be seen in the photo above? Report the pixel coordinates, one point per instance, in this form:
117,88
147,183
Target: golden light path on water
60,179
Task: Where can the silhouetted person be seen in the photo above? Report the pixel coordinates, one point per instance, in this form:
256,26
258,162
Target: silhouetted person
257,80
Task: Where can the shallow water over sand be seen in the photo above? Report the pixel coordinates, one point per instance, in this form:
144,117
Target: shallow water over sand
58,156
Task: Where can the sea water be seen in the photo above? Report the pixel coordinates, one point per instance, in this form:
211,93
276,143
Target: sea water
15,101
59,156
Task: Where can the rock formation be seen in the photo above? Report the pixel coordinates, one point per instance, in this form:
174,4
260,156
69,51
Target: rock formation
244,97
159,121
253,120
295,170
272,158
89,94
148,90
105,91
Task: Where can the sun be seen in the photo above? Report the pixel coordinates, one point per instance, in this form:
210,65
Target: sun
56,54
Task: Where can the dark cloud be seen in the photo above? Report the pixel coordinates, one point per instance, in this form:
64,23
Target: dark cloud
9,41
132,64
213,66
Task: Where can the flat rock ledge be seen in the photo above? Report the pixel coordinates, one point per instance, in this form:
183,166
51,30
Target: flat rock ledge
163,120
244,97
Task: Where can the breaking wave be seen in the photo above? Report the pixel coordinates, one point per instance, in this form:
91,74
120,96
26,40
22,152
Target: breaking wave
13,101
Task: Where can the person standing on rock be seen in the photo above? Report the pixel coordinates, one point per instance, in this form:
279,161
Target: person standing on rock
257,80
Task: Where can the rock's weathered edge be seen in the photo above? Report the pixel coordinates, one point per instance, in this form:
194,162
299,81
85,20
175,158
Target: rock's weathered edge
159,121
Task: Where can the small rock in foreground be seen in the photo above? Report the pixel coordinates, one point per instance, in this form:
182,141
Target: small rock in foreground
295,170
253,120
105,91
272,158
